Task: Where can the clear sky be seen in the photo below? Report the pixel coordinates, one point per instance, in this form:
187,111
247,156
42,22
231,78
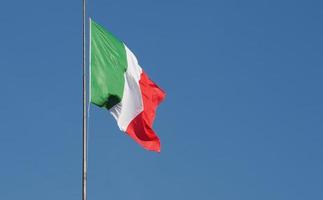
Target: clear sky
243,117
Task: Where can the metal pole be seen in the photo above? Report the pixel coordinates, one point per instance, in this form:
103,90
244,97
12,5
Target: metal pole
84,160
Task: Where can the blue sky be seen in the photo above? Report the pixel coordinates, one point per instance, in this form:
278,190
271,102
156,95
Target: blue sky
243,117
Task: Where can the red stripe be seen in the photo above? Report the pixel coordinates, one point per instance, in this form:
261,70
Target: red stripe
140,128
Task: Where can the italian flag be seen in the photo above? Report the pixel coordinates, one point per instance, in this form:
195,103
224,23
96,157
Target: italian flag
118,83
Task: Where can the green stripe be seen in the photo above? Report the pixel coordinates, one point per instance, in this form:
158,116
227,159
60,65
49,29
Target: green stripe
108,65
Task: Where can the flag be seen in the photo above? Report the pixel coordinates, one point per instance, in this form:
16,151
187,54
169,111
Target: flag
119,84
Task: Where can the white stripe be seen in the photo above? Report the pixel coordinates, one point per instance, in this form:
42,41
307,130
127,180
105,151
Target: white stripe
131,104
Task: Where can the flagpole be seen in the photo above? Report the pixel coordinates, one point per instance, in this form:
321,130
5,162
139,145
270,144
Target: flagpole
84,159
